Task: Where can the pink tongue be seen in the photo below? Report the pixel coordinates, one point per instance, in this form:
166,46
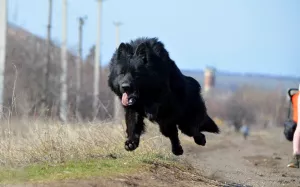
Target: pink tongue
125,99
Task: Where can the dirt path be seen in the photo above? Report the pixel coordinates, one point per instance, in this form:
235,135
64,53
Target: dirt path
259,161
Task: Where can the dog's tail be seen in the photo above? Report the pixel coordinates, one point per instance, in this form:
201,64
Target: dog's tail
209,125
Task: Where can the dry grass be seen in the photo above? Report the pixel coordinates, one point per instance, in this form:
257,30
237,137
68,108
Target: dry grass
25,143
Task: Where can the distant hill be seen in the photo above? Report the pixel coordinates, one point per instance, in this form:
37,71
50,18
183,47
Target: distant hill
232,81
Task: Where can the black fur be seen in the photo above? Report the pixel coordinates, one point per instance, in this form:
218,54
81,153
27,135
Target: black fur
161,92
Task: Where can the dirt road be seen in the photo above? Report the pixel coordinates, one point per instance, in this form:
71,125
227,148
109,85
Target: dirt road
259,161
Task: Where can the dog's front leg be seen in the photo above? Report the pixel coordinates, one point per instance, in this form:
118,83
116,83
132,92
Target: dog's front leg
134,129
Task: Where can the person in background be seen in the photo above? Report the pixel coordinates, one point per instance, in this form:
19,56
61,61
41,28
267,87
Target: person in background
245,131
295,162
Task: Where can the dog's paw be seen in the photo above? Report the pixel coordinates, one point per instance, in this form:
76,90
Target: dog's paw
131,145
177,150
200,140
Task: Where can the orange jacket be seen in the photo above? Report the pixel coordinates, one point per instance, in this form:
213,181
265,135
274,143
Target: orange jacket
295,106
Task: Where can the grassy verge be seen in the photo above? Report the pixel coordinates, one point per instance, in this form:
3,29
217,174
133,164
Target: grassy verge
40,152
105,167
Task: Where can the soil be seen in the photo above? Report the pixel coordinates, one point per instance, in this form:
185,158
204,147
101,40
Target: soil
226,160
259,161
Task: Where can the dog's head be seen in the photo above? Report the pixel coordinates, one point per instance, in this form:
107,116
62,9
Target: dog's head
134,72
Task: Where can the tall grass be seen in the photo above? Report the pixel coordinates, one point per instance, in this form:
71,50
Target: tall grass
27,142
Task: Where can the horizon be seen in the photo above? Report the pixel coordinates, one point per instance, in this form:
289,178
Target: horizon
238,37
221,71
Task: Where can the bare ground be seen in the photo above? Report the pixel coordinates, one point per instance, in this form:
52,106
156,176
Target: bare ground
259,161
226,160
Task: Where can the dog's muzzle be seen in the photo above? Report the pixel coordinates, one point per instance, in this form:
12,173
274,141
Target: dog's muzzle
128,96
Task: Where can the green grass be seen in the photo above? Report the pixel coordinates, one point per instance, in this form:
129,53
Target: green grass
105,167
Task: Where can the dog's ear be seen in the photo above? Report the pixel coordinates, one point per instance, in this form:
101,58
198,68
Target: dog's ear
124,49
121,49
122,46
141,51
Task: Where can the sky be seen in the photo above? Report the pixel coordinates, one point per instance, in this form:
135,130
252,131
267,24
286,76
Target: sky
245,36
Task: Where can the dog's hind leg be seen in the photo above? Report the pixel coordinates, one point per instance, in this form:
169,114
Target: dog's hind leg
207,125
190,128
200,139
134,129
171,132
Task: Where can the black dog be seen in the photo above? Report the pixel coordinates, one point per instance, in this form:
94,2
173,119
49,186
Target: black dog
149,84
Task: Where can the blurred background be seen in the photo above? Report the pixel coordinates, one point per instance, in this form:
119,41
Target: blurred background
245,54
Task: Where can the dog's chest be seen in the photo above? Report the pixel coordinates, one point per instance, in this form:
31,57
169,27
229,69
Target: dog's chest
162,114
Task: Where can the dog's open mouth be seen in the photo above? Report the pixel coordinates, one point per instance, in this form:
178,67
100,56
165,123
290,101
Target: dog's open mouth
128,100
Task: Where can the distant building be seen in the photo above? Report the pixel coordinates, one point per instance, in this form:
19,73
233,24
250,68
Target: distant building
209,78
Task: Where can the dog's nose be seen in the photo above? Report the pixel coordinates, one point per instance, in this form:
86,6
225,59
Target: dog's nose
125,86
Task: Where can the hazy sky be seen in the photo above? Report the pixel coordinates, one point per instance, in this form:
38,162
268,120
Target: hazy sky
260,36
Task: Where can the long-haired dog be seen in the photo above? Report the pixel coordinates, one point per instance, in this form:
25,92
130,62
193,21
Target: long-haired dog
150,85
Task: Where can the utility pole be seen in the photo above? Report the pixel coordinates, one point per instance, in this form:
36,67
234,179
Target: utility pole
97,62
79,66
117,104
64,62
3,34
48,63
